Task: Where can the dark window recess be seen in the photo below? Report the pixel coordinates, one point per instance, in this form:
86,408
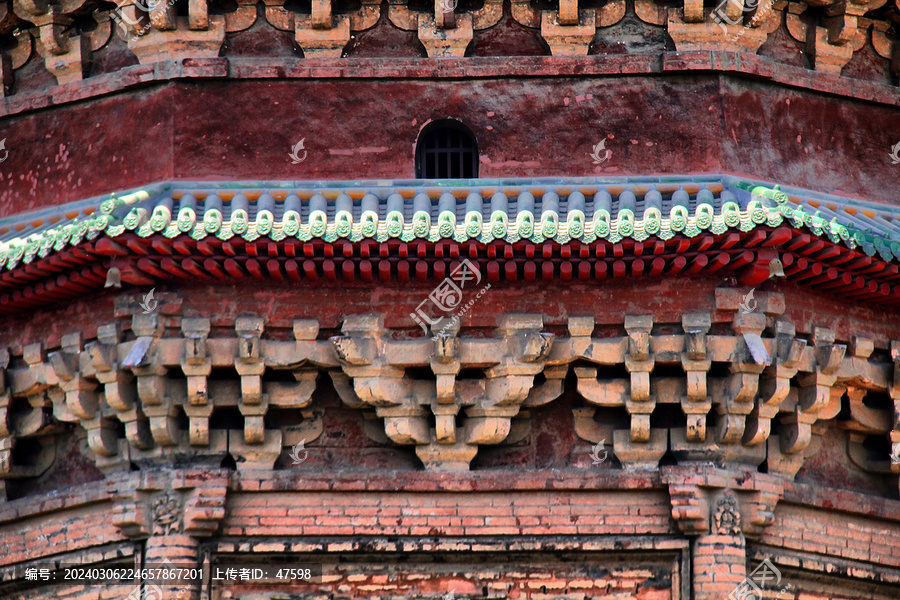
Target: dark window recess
446,150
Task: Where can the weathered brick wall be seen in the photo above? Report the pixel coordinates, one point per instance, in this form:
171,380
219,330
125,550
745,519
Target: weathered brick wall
512,574
46,532
478,535
835,534
448,514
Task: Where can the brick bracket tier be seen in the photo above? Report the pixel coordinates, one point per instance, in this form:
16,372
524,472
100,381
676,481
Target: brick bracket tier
448,394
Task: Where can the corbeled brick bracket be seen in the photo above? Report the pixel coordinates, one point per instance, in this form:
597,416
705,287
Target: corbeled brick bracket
827,56
171,509
101,383
197,366
706,34
841,31
696,362
748,361
180,41
639,362
322,34
831,47
14,59
722,508
324,43
694,489
166,502
894,392
65,55
775,384
110,380
757,389
445,42
376,365
69,59
571,37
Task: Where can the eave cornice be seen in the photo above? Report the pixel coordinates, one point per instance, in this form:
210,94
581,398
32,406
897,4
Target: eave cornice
586,229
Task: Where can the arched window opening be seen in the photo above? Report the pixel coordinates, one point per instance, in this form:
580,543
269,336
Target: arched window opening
446,150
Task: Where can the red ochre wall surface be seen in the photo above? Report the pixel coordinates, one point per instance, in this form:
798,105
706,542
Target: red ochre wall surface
356,126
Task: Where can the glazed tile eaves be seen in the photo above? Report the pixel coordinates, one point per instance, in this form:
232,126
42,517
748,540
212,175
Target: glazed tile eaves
538,210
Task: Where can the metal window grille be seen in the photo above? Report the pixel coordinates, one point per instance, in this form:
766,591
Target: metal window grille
447,152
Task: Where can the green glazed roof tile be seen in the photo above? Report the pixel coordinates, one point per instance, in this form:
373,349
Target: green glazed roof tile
586,209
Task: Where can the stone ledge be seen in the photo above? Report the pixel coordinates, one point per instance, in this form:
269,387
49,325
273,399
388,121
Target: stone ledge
473,481
829,565
455,544
453,68
811,496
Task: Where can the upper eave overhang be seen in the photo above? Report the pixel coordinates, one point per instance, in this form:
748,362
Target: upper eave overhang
716,221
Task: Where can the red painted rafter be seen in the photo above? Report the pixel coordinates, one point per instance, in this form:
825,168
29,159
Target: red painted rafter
807,260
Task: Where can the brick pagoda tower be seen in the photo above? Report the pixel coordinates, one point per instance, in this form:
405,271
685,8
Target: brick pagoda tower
475,300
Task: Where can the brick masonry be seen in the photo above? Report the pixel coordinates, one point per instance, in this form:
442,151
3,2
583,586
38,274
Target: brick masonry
479,534
446,514
534,519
